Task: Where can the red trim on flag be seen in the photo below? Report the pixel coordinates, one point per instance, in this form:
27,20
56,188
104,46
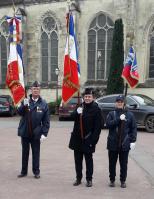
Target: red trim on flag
12,73
18,92
71,81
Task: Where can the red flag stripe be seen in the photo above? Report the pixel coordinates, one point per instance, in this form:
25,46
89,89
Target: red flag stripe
71,79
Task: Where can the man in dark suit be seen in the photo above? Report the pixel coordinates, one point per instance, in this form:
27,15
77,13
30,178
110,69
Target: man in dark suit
33,128
85,135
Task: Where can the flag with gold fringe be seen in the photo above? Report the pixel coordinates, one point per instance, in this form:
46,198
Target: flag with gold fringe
70,84
15,71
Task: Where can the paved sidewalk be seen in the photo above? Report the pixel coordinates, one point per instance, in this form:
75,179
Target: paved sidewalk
57,171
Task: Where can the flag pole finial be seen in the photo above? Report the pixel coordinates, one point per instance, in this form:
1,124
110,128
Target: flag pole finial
14,9
68,5
68,2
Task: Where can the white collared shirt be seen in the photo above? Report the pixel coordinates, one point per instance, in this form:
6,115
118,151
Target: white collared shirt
35,100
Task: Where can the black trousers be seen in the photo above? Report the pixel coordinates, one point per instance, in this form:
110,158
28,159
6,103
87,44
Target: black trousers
78,158
123,160
35,146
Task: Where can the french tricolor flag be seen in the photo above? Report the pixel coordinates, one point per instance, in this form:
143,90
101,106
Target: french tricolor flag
71,66
15,73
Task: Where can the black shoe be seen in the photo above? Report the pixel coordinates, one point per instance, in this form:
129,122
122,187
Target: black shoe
89,183
22,175
123,185
112,184
37,176
77,182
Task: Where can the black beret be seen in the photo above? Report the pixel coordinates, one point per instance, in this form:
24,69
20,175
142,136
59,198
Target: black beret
36,84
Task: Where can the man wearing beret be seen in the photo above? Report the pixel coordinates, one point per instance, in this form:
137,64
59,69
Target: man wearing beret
121,138
33,129
85,135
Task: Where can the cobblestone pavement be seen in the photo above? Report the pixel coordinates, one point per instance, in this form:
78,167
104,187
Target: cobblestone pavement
57,168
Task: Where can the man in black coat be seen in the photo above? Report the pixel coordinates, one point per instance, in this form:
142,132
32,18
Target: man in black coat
121,138
33,128
85,135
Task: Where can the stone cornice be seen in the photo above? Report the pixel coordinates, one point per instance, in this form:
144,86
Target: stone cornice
27,2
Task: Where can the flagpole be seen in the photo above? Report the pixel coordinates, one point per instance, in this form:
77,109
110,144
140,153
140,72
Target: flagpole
69,10
81,123
25,91
13,4
68,30
14,9
70,86
126,89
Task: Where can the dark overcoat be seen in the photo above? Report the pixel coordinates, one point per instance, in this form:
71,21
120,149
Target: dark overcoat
91,122
37,117
128,130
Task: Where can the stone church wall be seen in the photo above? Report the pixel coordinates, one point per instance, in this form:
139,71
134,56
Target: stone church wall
137,16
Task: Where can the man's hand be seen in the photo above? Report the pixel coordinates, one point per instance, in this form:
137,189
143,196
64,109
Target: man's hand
123,117
79,110
26,102
132,146
43,138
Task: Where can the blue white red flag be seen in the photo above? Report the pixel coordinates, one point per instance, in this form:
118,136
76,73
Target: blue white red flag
130,70
71,66
15,73
14,28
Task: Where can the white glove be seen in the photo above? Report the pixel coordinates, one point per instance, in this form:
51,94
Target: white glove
123,117
43,138
79,110
26,102
132,146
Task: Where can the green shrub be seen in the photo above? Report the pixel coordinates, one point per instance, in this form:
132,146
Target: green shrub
115,83
52,106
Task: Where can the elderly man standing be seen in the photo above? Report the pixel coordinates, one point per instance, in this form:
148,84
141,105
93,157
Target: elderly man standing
121,138
33,128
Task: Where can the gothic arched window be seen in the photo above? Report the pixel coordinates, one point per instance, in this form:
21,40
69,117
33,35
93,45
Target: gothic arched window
151,60
49,50
99,47
4,32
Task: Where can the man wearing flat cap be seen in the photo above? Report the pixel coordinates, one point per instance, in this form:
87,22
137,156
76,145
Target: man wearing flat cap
33,129
85,135
121,138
